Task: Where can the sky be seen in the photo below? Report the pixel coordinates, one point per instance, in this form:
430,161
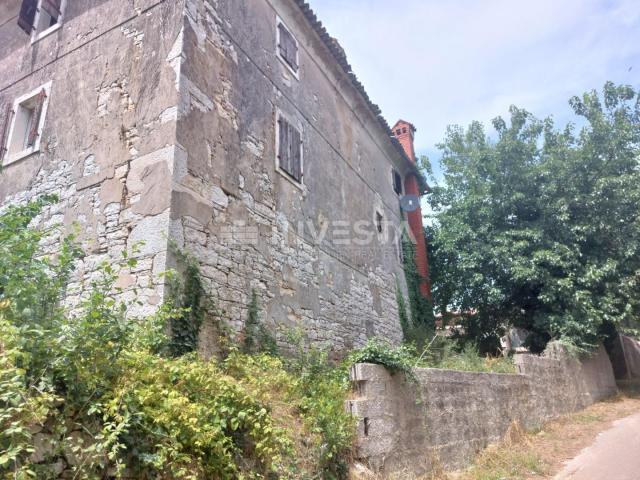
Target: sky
441,62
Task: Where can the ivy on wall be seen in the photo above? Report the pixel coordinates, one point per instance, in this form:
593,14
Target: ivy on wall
187,295
422,322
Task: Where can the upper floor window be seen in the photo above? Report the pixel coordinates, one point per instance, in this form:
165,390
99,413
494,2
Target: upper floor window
21,131
39,18
397,182
287,47
289,149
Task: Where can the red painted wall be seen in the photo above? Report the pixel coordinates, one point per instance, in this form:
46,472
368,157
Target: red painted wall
404,131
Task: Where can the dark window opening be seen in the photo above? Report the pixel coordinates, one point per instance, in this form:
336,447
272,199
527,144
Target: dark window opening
398,132
288,47
397,183
366,426
289,149
27,15
39,16
404,130
379,219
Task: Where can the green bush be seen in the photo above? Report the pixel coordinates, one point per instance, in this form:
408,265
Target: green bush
111,390
395,359
441,353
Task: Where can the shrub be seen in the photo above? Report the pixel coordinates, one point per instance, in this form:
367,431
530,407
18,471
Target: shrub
395,359
439,353
114,395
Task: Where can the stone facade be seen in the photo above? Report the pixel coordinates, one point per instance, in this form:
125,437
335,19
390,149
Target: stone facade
161,128
448,416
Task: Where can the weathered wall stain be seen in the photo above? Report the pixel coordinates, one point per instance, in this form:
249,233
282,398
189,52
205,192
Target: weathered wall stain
449,416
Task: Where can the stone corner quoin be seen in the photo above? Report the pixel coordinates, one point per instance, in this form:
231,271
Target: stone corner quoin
239,134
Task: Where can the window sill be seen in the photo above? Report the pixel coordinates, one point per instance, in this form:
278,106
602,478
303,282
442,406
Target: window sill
299,186
39,36
19,156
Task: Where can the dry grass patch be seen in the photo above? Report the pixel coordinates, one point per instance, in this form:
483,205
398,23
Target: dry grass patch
541,454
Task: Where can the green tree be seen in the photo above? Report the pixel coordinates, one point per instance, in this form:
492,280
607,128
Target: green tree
541,225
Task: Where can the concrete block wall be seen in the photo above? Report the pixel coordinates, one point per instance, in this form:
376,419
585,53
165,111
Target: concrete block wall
449,416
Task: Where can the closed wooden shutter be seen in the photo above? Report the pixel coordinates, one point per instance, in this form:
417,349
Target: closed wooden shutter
52,6
296,157
289,149
37,113
27,15
283,146
4,129
288,47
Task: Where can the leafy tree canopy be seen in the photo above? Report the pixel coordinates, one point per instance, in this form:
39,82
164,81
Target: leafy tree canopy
539,226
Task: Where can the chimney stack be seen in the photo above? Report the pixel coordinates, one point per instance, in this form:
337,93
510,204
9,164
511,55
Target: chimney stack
404,132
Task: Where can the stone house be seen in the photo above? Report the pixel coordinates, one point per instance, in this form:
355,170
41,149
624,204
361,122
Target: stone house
233,129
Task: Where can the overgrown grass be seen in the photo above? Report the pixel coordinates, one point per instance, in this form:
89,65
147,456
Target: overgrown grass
440,353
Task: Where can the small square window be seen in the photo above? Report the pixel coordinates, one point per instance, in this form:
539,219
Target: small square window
289,149
287,47
23,125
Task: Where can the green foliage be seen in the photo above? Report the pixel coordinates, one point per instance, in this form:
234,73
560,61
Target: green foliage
188,296
257,338
187,419
422,324
108,389
21,405
400,359
438,353
322,391
402,312
315,393
450,355
539,227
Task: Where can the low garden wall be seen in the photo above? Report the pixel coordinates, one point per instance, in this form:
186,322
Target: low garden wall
449,416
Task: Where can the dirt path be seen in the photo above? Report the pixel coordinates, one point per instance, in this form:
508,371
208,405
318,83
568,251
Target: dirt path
615,455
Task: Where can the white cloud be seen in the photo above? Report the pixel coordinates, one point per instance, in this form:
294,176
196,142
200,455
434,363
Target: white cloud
437,62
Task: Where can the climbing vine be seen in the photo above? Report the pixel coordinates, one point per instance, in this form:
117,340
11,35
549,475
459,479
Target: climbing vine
257,338
422,322
402,311
188,296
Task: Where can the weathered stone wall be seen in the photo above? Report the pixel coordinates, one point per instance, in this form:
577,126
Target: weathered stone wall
449,416
161,127
108,142
241,217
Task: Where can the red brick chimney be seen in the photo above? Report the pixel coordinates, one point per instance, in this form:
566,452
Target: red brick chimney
403,132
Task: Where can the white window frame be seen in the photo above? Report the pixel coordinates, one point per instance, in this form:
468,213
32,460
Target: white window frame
293,72
285,174
37,36
7,157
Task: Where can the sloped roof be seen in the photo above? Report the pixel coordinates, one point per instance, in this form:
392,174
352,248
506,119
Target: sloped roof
341,58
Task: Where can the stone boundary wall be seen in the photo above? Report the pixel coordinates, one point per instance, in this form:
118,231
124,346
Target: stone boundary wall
449,416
